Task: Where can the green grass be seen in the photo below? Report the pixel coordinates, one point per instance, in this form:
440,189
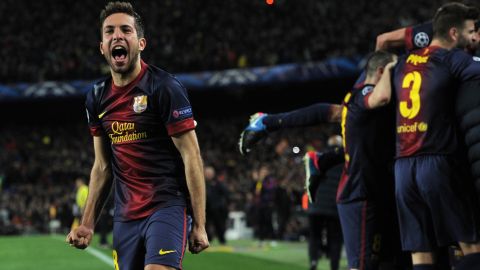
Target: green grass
50,252
43,252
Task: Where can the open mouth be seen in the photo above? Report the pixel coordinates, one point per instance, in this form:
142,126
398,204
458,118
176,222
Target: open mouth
119,53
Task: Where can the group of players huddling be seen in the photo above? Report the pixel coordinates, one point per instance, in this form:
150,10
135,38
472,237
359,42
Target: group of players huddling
410,130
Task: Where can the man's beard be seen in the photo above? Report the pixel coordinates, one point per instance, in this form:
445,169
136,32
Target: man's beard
463,43
126,69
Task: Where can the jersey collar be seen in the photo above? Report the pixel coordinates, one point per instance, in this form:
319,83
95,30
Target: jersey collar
139,81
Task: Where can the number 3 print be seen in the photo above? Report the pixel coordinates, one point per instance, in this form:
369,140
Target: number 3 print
411,81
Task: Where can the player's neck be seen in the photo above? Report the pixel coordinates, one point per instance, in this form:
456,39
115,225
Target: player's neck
442,43
120,79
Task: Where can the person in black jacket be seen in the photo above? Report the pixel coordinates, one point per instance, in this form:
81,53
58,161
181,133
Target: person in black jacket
217,205
323,171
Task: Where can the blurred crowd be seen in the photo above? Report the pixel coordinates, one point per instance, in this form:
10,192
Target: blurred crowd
41,162
58,40
39,166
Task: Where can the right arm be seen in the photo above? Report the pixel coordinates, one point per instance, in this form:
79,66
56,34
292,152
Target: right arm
312,115
315,114
100,182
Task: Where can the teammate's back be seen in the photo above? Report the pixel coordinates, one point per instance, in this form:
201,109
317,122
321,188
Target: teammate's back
425,83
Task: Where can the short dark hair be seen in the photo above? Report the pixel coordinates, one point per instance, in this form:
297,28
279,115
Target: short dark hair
122,7
452,15
377,60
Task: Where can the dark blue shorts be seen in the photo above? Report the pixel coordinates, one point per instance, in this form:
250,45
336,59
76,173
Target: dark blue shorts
158,239
435,207
370,233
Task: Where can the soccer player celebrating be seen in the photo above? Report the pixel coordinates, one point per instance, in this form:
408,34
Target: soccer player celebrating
143,138
420,36
433,190
365,198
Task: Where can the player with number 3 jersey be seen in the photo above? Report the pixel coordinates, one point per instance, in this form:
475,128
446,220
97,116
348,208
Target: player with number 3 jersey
433,201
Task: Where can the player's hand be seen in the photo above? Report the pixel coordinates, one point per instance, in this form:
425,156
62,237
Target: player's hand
198,240
80,237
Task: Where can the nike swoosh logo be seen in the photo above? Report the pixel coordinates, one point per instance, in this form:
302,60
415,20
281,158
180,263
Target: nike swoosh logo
101,115
163,252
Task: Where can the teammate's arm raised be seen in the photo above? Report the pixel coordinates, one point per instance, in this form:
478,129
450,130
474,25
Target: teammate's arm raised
392,39
99,186
409,38
187,145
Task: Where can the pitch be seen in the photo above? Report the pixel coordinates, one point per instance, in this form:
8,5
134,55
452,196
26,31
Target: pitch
52,253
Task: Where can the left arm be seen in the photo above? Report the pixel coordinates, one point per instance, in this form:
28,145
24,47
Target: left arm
382,92
187,145
392,39
410,38
315,114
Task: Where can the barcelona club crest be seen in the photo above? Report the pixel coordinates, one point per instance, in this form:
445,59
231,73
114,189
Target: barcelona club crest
139,103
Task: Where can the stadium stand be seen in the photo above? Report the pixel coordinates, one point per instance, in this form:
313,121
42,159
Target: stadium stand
59,40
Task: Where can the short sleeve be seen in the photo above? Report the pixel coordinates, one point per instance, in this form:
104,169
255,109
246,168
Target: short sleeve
360,99
94,123
418,36
176,111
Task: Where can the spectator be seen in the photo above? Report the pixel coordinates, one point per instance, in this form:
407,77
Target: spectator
217,205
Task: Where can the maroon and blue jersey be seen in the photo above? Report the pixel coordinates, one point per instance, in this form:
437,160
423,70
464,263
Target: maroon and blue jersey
369,147
425,82
418,36
139,120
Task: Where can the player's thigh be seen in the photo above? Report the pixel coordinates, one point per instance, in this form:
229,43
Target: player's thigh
128,247
166,234
360,233
443,184
413,213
